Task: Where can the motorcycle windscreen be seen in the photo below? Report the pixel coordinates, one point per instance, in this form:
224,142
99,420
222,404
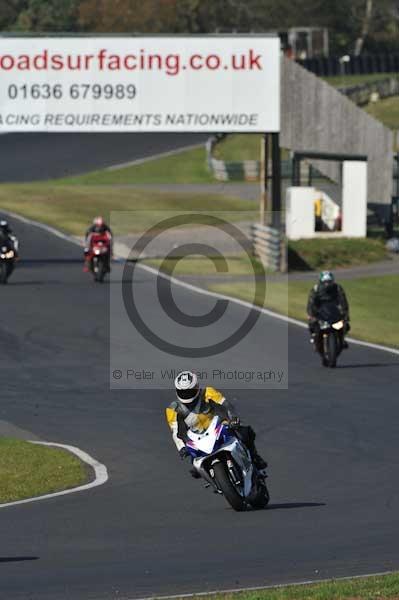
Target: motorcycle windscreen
329,312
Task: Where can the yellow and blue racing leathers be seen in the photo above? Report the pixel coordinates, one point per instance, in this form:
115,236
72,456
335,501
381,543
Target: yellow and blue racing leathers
180,418
211,402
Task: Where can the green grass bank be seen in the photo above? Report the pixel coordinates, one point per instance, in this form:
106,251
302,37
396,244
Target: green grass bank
373,307
28,470
383,587
72,207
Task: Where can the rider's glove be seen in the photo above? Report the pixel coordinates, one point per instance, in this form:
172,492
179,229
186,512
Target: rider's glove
234,422
184,453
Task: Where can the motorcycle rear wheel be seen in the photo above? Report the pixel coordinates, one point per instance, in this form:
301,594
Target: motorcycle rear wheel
262,499
228,488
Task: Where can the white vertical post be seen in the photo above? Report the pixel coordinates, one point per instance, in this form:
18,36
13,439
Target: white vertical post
354,199
300,213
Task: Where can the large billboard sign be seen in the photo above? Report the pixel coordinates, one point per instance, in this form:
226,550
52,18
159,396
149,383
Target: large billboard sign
210,84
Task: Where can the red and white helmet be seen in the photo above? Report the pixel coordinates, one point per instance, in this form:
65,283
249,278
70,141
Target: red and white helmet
187,387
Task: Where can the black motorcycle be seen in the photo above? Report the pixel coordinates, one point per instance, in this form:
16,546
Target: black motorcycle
7,260
330,331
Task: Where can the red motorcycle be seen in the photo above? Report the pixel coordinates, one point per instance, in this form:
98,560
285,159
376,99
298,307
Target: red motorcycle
98,255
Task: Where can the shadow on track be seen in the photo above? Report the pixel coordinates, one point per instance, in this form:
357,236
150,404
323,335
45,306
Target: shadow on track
55,282
6,559
295,505
33,282
50,261
369,365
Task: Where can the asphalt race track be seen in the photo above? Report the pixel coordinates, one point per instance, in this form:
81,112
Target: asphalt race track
40,156
331,441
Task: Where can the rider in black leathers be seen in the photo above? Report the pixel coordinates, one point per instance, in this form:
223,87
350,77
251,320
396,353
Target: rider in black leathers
327,290
7,235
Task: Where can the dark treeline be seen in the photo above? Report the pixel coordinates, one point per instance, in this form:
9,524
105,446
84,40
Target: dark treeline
355,25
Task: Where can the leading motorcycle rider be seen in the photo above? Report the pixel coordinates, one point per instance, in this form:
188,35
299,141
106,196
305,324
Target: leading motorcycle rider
194,408
7,235
327,290
99,227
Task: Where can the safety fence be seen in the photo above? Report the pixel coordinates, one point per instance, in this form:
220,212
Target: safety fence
365,64
365,93
270,246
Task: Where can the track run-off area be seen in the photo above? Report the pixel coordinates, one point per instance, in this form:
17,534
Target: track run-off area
330,439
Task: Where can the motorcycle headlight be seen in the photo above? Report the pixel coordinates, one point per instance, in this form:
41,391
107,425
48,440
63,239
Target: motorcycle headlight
338,325
9,254
97,251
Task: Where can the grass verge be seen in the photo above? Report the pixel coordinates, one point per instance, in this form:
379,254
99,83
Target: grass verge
303,255
386,111
319,254
72,208
241,146
383,587
238,147
372,303
29,470
185,167
348,80
236,265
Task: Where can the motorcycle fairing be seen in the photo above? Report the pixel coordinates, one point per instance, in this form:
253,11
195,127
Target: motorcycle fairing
238,453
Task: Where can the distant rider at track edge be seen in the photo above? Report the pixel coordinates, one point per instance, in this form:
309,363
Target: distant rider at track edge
194,408
99,227
327,291
7,235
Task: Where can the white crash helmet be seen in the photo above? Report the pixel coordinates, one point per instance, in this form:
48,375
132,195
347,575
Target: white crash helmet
187,387
326,277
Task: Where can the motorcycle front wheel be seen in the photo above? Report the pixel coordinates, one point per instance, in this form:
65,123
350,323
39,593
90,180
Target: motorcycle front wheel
228,488
330,351
3,272
98,270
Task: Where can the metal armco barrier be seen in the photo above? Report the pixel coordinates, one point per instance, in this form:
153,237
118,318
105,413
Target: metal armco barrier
364,93
246,170
269,245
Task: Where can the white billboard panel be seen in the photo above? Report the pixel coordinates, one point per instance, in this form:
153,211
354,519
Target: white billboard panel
210,84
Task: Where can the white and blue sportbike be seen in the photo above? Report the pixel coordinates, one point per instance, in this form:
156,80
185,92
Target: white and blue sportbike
225,463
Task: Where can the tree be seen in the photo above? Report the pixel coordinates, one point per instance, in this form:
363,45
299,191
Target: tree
47,15
365,27
9,11
119,16
354,25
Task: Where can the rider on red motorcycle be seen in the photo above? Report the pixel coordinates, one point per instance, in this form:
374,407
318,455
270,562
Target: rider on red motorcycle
97,229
